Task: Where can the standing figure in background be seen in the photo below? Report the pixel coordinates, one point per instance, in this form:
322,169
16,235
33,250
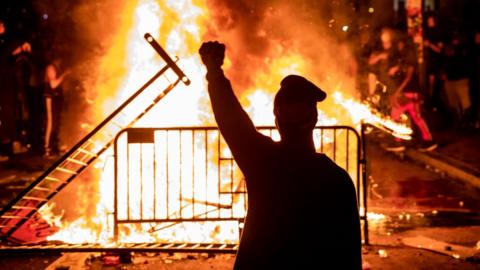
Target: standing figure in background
381,83
363,50
407,97
53,107
22,57
433,44
10,47
36,106
7,111
456,79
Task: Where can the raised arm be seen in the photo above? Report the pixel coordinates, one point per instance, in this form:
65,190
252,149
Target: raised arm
377,57
233,122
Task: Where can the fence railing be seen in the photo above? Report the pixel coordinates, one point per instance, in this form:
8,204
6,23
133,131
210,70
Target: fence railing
167,177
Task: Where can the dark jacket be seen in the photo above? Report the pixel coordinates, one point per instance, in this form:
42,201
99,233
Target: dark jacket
302,208
456,62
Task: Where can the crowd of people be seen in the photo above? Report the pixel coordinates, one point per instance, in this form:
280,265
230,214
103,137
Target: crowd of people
390,76
31,97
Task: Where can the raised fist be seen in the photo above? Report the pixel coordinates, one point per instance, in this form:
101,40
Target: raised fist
212,54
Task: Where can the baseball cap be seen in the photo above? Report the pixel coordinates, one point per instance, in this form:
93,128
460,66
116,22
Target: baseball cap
297,89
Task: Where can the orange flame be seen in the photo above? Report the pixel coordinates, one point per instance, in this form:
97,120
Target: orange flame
130,61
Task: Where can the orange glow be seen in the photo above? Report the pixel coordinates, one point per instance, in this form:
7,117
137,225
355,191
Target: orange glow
360,112
179,26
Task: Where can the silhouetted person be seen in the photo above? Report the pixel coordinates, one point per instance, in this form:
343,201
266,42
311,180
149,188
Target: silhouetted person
53,107
407,97
381,82
433,46
456,78
302,207
10,48
363,50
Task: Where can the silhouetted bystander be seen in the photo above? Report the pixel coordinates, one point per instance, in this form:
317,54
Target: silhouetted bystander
53,107
433,44
456,78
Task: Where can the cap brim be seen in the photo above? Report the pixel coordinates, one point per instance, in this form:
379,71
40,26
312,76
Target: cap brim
320,95
295,88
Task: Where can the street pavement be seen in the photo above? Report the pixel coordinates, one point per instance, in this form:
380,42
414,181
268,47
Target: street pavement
409,201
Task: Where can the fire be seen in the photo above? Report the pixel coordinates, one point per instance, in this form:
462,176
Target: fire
180,26
360,112
182,37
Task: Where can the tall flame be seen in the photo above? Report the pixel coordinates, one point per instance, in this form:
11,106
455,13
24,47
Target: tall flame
180,25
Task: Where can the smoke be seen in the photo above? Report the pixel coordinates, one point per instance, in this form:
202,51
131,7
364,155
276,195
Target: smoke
258,32
257,35
77,34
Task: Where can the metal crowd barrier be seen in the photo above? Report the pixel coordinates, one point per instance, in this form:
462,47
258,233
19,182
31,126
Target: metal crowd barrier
168,177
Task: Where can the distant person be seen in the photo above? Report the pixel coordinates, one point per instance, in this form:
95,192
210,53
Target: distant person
456,79
53,107
433,46
407,97
302,207
21,66
7,111
9,137
381,83
363,50
36,104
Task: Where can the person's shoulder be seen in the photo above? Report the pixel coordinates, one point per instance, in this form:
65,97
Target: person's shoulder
329,164
334,171
267,141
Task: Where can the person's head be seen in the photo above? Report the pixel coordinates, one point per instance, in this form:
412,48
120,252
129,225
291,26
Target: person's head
386,37
50,72
295,107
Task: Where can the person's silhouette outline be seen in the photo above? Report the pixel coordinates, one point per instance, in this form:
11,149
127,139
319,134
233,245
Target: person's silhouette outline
302,207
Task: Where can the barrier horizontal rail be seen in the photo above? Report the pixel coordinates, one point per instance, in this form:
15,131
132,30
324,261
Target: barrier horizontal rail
137,247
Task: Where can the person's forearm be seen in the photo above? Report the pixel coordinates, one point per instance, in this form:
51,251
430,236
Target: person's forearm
232,120
373,59
54,83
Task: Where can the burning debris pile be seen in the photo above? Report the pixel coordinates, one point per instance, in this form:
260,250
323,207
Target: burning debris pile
265,43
